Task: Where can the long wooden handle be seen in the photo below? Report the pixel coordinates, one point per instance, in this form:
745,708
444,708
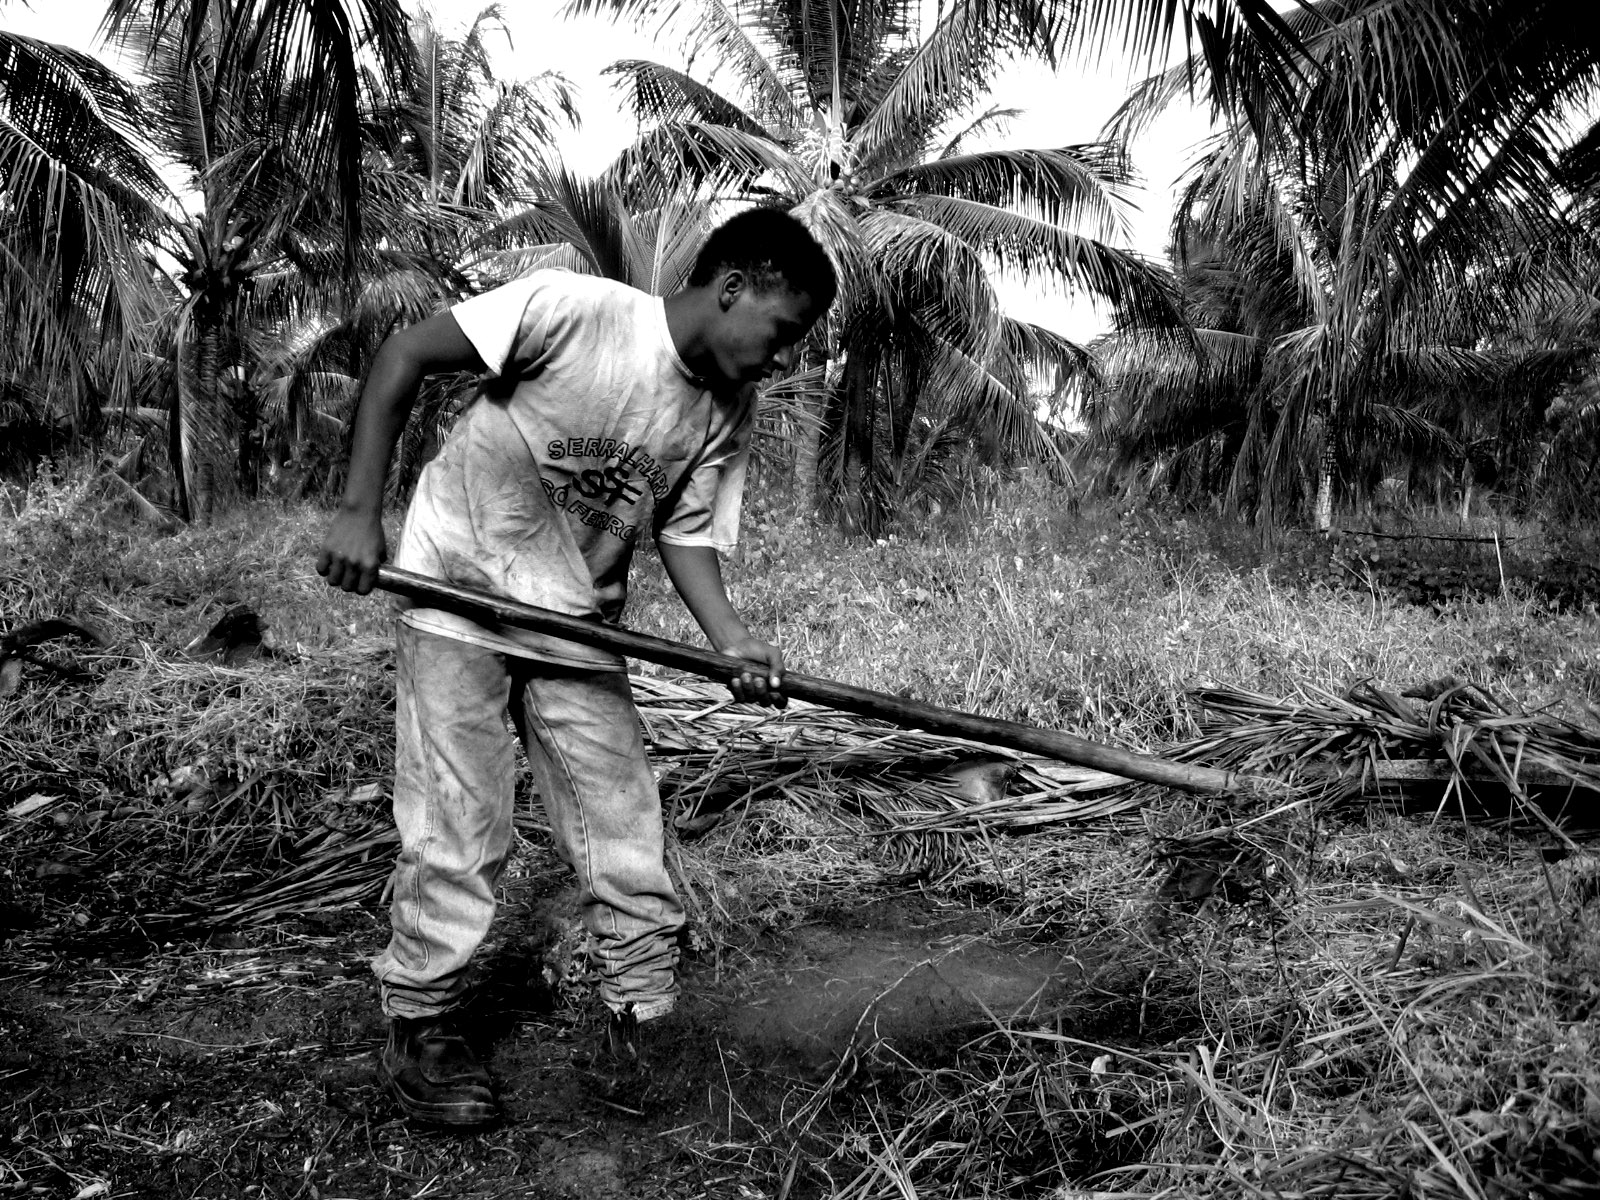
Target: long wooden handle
900,710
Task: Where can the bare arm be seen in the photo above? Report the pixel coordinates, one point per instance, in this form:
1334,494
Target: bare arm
355,547
697,576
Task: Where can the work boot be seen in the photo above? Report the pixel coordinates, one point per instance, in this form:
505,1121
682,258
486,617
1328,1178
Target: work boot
434,1074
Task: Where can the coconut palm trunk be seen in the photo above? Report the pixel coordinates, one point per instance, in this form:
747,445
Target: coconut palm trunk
905,390
207,445
860,425
808,443
1325,478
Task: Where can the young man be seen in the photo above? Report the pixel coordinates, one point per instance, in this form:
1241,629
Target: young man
605,413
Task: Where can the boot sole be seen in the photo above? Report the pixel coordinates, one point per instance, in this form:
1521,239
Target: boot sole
460,1115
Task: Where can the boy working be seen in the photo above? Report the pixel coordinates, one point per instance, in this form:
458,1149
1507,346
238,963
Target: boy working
605,412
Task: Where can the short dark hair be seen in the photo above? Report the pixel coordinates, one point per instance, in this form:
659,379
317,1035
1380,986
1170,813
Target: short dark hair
772,246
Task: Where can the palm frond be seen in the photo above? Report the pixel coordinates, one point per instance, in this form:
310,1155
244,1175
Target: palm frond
787,410
759,69
1234,201
1056,361
1251,56
1070,185
1412,369
658,93
1579,169
689,155
940,77
588,215
834,46
587,225
1402,436
511,134
934,277
661,243
1448,212
80,192
71,104
1146,101
1035,248
990,395
993,119
307,49
835,224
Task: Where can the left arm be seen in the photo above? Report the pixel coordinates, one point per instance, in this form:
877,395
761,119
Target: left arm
697,576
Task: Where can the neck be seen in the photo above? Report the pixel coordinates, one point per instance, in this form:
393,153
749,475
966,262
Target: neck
685,325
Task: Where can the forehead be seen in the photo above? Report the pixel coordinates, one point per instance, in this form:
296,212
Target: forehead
787,304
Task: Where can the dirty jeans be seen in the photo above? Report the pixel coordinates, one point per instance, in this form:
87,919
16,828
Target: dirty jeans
454,770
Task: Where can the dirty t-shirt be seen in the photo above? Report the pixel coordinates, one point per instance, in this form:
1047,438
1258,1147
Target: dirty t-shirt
589,430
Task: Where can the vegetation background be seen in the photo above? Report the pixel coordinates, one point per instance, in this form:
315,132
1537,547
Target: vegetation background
1317,504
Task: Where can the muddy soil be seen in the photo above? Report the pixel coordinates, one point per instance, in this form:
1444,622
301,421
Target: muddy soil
246,1067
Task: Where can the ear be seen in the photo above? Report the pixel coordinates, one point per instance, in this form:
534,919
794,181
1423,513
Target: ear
729,287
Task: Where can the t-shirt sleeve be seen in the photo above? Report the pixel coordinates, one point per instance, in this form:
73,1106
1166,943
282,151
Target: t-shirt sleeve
707,509
511,325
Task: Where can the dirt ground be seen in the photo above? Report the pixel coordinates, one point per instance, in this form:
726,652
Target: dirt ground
246,1067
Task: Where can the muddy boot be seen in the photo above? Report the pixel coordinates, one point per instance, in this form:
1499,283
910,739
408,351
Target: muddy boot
434,1074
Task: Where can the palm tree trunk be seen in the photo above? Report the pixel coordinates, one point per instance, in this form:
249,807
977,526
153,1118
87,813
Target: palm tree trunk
808,450
1324,501
175,461
207,441
903,410
858,513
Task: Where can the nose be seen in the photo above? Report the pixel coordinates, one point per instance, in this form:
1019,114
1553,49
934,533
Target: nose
785,357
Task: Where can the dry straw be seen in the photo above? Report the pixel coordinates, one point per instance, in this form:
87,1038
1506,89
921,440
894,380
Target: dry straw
209,796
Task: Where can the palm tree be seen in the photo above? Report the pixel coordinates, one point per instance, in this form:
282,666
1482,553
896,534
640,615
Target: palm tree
1227,412
449,166
78,193
1528,432
845,113
1389,180
308,66
1254,57
1455,395
256,106
311,61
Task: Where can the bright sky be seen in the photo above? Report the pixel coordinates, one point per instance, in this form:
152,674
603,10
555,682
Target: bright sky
1060,108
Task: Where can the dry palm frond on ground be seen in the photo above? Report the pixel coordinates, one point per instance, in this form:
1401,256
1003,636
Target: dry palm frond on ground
918,791
167,793
164,792
1374,742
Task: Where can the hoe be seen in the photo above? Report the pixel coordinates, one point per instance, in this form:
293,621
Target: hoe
898,710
